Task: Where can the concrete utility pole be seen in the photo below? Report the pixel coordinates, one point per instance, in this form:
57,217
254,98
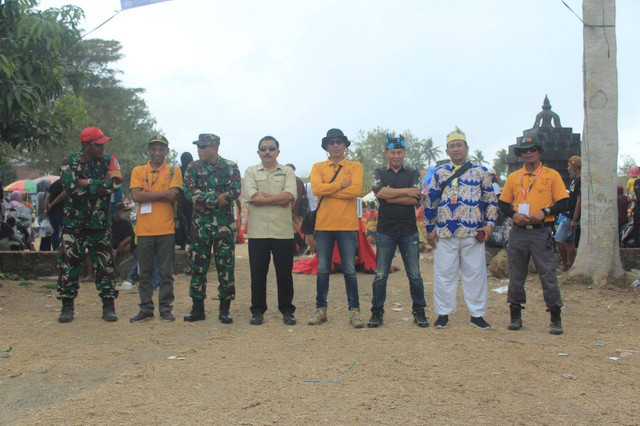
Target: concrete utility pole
598,256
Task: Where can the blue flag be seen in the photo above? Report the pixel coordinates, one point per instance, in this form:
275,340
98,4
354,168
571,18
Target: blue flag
128,4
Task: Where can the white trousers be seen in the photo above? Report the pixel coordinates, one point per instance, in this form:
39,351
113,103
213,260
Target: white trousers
467,257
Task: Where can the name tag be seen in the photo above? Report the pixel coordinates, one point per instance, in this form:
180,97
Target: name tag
145,208
523,209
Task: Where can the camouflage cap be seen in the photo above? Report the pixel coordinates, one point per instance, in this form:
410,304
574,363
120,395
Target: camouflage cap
207,139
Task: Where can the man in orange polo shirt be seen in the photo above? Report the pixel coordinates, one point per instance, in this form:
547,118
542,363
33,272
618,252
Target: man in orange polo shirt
337,182
155,187
532,197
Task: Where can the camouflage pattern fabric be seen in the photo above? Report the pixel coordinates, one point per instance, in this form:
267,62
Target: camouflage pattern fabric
74,243
212,227
87,223
89,207
203,237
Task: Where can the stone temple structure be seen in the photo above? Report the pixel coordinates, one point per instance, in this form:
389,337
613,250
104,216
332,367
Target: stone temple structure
559,143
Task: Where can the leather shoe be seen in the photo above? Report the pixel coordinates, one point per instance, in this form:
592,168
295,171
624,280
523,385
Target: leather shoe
256,319
289,319
376,320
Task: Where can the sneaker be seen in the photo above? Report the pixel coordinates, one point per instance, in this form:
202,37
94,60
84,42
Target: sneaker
141,317
480,323
420,319
126,285
167,316
442,321
256,319
289,319
376,320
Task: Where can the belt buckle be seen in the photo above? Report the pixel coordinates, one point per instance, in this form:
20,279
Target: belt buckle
529,227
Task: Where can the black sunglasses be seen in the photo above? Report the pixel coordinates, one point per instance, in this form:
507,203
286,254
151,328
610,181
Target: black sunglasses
335,142
265,148
531,149
203,146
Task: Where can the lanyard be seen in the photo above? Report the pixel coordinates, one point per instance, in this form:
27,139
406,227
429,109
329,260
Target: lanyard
525,193
146,176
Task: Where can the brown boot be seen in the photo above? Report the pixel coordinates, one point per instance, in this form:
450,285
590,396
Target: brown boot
318,317
354,318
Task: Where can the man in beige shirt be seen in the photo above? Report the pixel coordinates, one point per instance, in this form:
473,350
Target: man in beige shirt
270,188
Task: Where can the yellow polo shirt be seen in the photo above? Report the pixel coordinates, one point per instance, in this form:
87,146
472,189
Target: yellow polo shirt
161,219
339,210
543,188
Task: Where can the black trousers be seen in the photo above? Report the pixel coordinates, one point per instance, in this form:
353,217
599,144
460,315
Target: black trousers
260,250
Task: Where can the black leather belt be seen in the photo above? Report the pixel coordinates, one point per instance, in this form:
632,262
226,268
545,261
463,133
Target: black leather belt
540,225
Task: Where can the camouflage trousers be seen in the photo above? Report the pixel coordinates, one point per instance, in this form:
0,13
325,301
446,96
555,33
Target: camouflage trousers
204,237
74,243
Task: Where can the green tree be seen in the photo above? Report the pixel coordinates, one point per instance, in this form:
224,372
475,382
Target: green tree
430,152
478,157
119,111
627,163
500,165
36,50
368,149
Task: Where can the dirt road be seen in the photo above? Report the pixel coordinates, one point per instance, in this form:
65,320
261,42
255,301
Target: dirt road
92,372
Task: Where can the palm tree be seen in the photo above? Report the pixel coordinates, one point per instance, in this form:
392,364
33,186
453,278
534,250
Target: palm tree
430,152
478,157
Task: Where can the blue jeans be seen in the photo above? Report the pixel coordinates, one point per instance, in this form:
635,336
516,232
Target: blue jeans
385,250
347,244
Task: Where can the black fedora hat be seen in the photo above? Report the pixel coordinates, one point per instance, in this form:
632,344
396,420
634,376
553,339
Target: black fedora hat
333,134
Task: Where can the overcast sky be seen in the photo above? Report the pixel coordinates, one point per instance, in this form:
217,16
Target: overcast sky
294,69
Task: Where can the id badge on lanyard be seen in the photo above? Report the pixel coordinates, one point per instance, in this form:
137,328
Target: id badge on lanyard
524,208
146,208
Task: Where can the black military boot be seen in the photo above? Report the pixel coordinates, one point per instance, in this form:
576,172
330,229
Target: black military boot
109,309
225,317
556,321
66,314
197,311
516,316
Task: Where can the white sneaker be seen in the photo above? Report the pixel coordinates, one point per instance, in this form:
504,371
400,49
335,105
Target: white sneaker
126,285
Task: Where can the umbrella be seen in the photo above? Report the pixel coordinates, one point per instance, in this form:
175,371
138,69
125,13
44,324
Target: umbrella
51,178
24,185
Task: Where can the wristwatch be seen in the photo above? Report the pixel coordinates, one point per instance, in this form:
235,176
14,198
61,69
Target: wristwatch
546,211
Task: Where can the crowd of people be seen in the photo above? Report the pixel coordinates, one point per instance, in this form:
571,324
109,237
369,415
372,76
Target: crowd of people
197,206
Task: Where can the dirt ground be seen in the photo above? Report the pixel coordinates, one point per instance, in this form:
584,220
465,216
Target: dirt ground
93,372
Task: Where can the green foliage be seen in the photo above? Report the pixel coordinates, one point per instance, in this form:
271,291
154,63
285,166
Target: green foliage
36,48
500,165
627,163
368,149
478,157
119,111
7,174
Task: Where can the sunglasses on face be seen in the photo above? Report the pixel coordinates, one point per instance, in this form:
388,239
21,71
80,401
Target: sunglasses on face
203,146
335,142
532,149
265,148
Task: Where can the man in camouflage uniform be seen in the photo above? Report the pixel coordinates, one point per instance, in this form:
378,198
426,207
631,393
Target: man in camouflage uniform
89,177
213,185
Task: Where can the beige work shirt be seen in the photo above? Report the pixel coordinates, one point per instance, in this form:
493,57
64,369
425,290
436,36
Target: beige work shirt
270,221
